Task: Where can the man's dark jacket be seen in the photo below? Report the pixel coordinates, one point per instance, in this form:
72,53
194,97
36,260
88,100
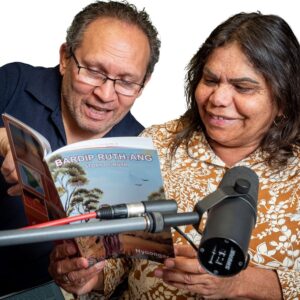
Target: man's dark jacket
32,94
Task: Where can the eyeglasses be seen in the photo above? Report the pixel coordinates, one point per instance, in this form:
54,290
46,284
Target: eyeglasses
96,78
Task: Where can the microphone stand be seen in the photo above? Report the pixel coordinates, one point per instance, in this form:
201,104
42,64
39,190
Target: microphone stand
150,222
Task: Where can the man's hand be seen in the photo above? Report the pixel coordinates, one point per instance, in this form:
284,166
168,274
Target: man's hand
9,173
74,273
8,168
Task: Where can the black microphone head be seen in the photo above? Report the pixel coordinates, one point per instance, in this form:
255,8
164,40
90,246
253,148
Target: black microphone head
223,250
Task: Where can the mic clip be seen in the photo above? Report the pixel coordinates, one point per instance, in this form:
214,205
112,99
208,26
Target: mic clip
239,189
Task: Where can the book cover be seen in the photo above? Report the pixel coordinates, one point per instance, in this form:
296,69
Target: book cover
81,177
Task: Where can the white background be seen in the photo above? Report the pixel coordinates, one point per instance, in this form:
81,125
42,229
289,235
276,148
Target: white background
32,31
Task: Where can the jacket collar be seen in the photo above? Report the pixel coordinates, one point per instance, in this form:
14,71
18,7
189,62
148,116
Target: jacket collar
45,86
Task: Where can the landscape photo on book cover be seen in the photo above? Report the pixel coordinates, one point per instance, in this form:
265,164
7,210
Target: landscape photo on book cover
89,178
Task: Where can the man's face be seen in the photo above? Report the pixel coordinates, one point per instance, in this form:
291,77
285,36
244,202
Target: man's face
116,49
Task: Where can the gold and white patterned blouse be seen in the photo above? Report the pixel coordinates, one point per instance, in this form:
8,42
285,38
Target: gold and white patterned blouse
275,241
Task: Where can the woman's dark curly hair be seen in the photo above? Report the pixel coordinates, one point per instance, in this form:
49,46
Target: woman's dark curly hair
272,48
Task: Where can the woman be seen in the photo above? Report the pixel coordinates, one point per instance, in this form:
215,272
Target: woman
243,99
243,90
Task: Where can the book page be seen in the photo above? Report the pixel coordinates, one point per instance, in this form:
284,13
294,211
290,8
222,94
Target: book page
88,178
44,145
40,198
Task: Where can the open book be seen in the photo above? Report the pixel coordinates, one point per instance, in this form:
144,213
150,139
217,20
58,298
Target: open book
81,177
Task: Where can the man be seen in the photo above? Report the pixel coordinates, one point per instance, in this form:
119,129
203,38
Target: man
109,55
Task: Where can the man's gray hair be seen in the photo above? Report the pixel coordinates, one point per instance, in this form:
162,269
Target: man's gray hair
122,11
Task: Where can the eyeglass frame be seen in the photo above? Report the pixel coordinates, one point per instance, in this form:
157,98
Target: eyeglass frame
141,85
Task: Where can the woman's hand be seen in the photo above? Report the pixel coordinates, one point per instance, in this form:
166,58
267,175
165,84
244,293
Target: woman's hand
74,273
185,272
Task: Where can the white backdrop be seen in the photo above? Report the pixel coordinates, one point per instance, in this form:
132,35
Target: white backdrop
33,30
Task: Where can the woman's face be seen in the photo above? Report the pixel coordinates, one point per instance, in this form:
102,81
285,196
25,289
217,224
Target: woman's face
234,100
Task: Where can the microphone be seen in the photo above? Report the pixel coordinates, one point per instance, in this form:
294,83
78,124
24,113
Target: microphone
223,250
231,217
130,210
